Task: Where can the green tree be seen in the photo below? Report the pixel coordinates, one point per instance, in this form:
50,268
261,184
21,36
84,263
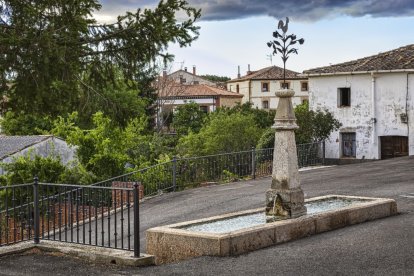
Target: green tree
99,149
107,150
49,169
22,123
262,118
267,140
215,78
188,118
305,120
55,59
314,126
222,133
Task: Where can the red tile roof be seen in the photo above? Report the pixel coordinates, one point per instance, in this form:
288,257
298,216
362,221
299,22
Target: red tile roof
198,90
397,59
269,73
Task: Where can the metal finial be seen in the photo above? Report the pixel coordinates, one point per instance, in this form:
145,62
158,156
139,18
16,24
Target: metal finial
282,43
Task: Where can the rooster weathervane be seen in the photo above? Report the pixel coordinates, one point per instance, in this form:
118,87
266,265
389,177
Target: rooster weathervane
283,44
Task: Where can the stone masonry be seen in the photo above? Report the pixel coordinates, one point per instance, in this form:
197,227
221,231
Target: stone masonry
285,199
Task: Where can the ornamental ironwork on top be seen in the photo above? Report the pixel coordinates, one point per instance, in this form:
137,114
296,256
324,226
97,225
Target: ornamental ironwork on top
283,44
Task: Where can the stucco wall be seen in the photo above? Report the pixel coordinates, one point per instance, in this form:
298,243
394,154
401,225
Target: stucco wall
229,102
189,78
385,104
257,96
243,89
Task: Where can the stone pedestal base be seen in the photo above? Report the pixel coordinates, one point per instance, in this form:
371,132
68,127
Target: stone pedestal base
284,204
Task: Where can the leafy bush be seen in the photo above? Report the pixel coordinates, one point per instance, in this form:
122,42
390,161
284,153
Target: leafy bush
107,149
267,140
188,118
262,118
49,169
314,126
228,176
221,133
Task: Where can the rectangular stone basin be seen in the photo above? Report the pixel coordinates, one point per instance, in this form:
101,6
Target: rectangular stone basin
207,237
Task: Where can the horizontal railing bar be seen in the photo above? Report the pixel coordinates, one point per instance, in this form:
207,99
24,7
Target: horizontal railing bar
85,187
128,174
16,186
215,155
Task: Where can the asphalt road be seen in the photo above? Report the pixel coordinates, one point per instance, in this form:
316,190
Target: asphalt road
381,247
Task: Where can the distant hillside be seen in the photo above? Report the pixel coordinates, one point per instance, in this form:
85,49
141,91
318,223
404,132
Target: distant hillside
215,78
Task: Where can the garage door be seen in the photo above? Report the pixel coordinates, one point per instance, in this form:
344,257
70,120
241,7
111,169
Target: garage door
394,146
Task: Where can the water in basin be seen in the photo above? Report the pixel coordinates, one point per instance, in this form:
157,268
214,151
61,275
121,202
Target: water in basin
250,220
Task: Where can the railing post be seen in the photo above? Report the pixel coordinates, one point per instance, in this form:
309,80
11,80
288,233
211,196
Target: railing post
253,162
174,167
136,220
36,223
323,152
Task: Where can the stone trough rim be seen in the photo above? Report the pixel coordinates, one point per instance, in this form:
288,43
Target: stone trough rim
177,228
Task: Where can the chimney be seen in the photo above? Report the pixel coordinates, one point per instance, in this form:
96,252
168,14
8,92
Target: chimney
194,70
238,72
185,69
248,69
164,73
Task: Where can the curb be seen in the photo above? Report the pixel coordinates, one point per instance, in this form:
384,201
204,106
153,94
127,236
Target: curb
91,253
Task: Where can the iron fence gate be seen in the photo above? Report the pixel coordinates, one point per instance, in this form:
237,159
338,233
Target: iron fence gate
88,215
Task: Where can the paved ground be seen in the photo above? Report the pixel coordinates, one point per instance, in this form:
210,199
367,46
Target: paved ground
382,247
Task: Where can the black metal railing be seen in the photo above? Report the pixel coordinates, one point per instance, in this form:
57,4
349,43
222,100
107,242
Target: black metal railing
16,213
106,214
89,215
180,173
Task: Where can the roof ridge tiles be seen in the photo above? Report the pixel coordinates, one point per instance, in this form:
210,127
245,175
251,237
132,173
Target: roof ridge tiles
395,59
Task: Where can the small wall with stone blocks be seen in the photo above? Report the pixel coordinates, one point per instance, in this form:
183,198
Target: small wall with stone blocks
172,243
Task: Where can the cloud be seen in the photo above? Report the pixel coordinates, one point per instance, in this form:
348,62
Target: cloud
300,10
303,10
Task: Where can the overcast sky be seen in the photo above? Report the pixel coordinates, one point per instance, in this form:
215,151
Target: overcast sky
235,32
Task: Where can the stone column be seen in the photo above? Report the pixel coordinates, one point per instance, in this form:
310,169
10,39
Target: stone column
285,198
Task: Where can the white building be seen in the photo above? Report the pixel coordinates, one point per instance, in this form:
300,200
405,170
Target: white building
373,98
185,77
259,87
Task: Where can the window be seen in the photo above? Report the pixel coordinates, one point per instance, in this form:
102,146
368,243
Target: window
182,79
265,87
284,85
344,97
204,108
237,89
348,144
265,104
196,82
304,86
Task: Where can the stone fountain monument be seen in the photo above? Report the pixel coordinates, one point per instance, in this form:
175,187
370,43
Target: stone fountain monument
285,199
287,215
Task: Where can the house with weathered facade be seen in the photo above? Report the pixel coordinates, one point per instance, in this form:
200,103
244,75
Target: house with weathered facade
207,97
188,78
12,147
373,98
259,87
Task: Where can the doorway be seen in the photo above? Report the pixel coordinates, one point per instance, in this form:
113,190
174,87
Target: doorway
394,146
